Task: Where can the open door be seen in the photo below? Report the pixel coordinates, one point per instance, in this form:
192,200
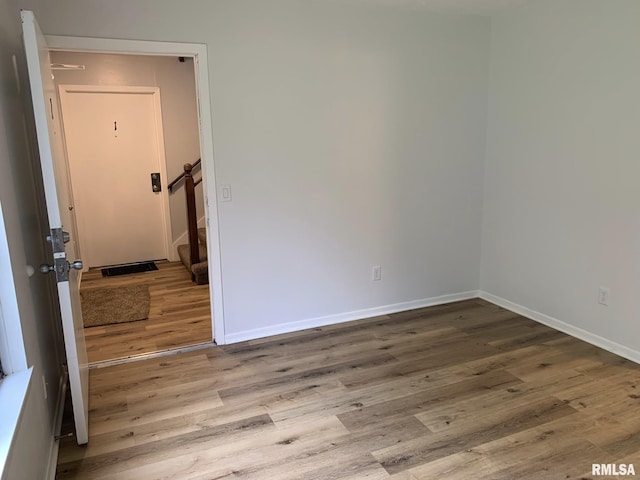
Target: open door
56,188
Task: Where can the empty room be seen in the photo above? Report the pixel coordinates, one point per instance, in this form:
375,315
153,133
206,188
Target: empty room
421,230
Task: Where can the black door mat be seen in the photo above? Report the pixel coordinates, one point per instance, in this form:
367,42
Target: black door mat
127,269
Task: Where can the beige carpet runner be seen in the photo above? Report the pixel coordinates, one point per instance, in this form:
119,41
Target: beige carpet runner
109,305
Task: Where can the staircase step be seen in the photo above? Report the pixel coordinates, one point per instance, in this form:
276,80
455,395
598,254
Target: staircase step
200,270
183,253
202,236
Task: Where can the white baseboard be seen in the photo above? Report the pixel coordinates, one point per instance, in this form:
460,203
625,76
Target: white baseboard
57,424
567,328
345,317
184,238
598,341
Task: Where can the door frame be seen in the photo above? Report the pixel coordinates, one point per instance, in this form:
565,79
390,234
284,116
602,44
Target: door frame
68,89
199,54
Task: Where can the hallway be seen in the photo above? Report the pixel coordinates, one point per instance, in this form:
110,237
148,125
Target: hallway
180,314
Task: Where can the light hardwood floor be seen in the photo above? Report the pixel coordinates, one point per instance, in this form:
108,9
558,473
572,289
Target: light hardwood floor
179,315
461,391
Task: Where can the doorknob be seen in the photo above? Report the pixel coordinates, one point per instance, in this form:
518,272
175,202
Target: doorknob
46,268
77,265
61,267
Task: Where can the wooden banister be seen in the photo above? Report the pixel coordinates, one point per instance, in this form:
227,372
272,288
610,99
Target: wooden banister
192,220
181,176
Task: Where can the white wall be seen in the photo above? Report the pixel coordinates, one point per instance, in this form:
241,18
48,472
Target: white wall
25,224
562,201
352,136
176,81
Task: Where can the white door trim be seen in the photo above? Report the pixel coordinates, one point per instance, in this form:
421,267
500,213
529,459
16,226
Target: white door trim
157,113
199,53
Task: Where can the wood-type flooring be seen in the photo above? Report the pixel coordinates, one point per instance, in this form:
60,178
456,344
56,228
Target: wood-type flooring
179,316
462,391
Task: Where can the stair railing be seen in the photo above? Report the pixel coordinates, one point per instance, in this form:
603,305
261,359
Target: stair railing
192,220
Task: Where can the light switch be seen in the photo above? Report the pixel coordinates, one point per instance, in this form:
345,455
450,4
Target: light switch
225,193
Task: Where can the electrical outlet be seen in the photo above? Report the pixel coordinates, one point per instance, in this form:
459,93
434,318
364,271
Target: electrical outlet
376,273
603,296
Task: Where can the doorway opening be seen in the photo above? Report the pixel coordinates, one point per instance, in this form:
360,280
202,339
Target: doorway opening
155,99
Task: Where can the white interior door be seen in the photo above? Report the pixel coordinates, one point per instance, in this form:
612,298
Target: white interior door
56,191
114,142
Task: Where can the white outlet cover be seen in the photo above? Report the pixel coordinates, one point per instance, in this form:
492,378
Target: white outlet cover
376,273
603,296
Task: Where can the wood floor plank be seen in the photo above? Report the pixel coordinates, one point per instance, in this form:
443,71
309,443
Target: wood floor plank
125,459
249,456
347,404
307,377
417,402
466,434
459,391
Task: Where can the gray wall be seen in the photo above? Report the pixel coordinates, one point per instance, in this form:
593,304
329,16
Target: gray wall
179,108
352,136
561,194
22,204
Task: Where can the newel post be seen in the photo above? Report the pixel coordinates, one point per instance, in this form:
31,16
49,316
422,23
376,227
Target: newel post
192,220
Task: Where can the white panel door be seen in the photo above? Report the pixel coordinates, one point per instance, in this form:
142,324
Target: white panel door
114,143
58,209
